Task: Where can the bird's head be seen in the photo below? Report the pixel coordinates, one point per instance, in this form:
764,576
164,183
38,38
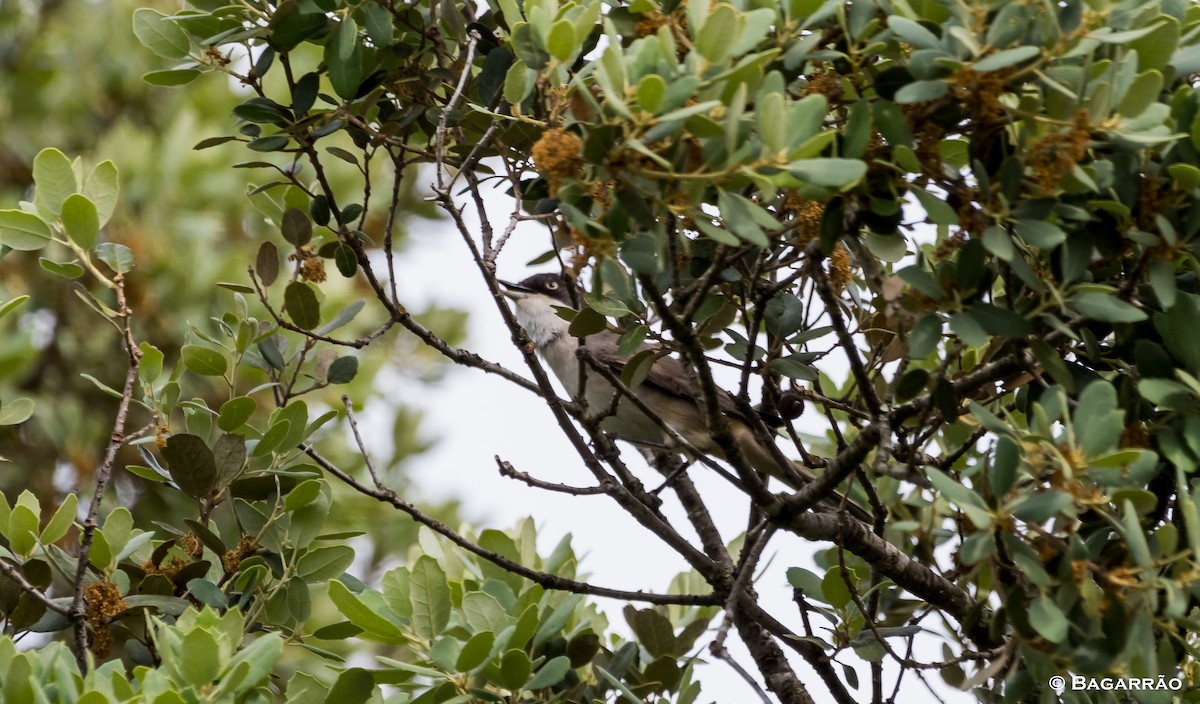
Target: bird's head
537,299
552,286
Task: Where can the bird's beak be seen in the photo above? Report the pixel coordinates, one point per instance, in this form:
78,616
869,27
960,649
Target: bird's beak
514,291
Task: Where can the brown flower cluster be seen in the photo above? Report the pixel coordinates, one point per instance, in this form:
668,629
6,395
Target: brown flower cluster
312,267
650,22
168,569
104,601
947,247
1151,201
823,81
808,215
929,138
980,92
558,155
1135,435
191,545
1056,153
232,559
840,273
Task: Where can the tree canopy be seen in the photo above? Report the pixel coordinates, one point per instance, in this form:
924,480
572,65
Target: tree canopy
959,237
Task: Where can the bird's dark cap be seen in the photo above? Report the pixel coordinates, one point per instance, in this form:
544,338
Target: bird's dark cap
555,286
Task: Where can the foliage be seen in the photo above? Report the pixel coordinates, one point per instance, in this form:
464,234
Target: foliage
988,210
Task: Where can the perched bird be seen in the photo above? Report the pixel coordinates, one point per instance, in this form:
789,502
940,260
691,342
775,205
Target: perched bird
668,389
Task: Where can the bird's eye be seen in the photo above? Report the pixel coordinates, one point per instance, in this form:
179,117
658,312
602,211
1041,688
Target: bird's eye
552,286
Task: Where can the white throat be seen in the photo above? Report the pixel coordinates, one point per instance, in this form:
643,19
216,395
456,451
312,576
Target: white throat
536,314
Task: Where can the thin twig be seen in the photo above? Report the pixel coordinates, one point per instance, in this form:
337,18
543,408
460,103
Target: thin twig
549,581
362,447
507,470
78,610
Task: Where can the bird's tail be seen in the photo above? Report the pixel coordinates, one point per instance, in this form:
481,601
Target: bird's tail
764,461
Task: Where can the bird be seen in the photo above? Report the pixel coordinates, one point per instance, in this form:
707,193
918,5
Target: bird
667,389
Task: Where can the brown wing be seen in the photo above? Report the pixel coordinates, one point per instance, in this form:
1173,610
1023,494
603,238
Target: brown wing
668,374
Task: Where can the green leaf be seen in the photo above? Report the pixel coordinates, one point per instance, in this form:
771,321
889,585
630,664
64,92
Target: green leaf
587,322
22,530
359,613
345,259
1098,419
1003,471
302,495
1162,282
1040,234
968,329
997,241
255,663
81,220
771,123
1155,50
715,41
266,263
783,314
61,521
69,270
550,674
273,438
1048,619
650,91
921,91
925,336
102,187
54,179
377,20
171,77
936,209
1135,538
344,59
557,620
301,305
999,321
831,173
343,370
203,360
892,124
229,455
977,548
207,593
273,143
235,412
191,464
159,34
475,651
515,668
118,257
16,411
296,227
430,597
325,563
1043,506
959,495
12,304
1106,308
913,33
1006,58
562,42
1167,394
23,231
